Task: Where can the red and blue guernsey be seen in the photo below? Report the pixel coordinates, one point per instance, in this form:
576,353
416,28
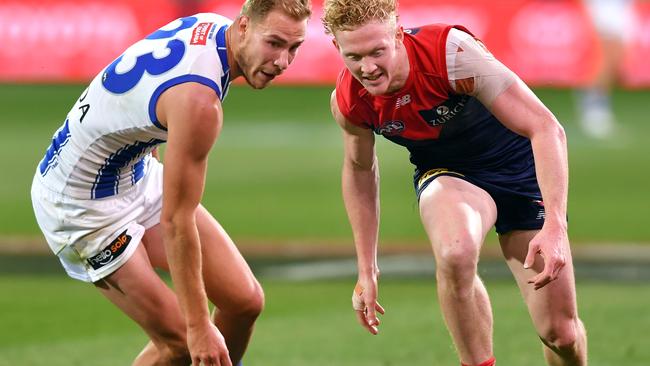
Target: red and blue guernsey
442,129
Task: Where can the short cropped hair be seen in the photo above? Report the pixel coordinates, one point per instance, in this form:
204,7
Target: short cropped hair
349,14
259,9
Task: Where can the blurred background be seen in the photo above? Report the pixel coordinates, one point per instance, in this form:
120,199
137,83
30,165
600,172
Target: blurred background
274,184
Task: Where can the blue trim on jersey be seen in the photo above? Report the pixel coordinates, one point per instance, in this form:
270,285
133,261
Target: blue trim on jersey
108,175
175,81
222,50
138,170
60,139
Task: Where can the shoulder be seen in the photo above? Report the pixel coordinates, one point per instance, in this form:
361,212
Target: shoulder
433,37
348,95
431,34
195,104
345,90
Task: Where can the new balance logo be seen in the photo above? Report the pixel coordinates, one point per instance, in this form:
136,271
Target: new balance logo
402,101
541,214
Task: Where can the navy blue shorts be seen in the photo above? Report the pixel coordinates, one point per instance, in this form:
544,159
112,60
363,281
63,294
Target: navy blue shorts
516,210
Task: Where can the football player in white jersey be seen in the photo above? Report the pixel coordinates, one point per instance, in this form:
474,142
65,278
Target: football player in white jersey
112,214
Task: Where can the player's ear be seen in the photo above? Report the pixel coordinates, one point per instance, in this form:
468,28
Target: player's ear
399,34
243,23
336,44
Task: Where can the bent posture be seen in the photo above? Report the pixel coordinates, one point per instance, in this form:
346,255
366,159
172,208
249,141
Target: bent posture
112,214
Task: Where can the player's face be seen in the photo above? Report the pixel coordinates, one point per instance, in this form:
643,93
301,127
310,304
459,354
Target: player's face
372,54
268,46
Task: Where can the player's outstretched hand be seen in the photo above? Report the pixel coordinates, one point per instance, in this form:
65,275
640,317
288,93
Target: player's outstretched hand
207,347
364,302
553,246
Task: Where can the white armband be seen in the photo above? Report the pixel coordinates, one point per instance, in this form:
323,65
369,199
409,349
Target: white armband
473,70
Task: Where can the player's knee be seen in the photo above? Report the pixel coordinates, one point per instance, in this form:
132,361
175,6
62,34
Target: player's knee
456,272
249,303
564,336
254,303
457,258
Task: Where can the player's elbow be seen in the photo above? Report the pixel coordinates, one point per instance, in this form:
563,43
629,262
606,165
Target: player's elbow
175,223
549,127
357,164
555,127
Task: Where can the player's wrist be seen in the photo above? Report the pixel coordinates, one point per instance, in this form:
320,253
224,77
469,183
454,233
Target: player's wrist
198,327
556,222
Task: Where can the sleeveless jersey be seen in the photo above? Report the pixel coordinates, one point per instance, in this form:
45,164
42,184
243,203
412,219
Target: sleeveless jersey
439,127
105,143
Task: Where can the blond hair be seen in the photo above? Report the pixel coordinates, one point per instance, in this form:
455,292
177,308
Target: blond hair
259,9
349,14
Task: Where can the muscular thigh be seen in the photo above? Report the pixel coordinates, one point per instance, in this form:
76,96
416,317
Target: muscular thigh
552,303
227,277
452,207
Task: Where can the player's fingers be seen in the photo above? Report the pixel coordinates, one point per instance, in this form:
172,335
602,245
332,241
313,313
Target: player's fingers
542,279
533,249
225,360
380,309
361,317
370,314
557,267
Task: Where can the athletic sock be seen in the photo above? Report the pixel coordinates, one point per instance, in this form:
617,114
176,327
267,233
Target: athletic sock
491,362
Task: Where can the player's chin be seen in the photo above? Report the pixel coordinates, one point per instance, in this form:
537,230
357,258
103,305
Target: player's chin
262,80
376,89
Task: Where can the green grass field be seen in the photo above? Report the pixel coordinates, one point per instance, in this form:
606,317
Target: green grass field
274,173
54,321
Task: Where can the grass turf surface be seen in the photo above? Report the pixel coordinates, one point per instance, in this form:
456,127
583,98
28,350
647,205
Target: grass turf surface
52,320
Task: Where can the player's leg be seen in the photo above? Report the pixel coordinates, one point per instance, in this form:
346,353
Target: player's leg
456,216
229,282
552,308
141,294
611,19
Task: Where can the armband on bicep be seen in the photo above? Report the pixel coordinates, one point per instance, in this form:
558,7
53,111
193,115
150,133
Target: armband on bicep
473,70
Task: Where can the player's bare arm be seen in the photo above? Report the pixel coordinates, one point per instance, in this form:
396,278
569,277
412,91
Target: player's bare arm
193,116
478,73
521,111
360,186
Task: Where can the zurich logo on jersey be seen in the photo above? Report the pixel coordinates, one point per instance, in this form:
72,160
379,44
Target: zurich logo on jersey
391,128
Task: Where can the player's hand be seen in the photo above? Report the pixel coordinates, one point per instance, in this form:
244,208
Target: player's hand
207,346
364,302
553,246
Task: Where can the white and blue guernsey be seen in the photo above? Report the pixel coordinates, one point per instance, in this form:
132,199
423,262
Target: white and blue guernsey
105,143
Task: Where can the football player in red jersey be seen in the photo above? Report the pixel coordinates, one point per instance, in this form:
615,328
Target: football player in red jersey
486,152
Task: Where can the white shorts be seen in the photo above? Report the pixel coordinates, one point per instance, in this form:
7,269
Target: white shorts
612,18
93,238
